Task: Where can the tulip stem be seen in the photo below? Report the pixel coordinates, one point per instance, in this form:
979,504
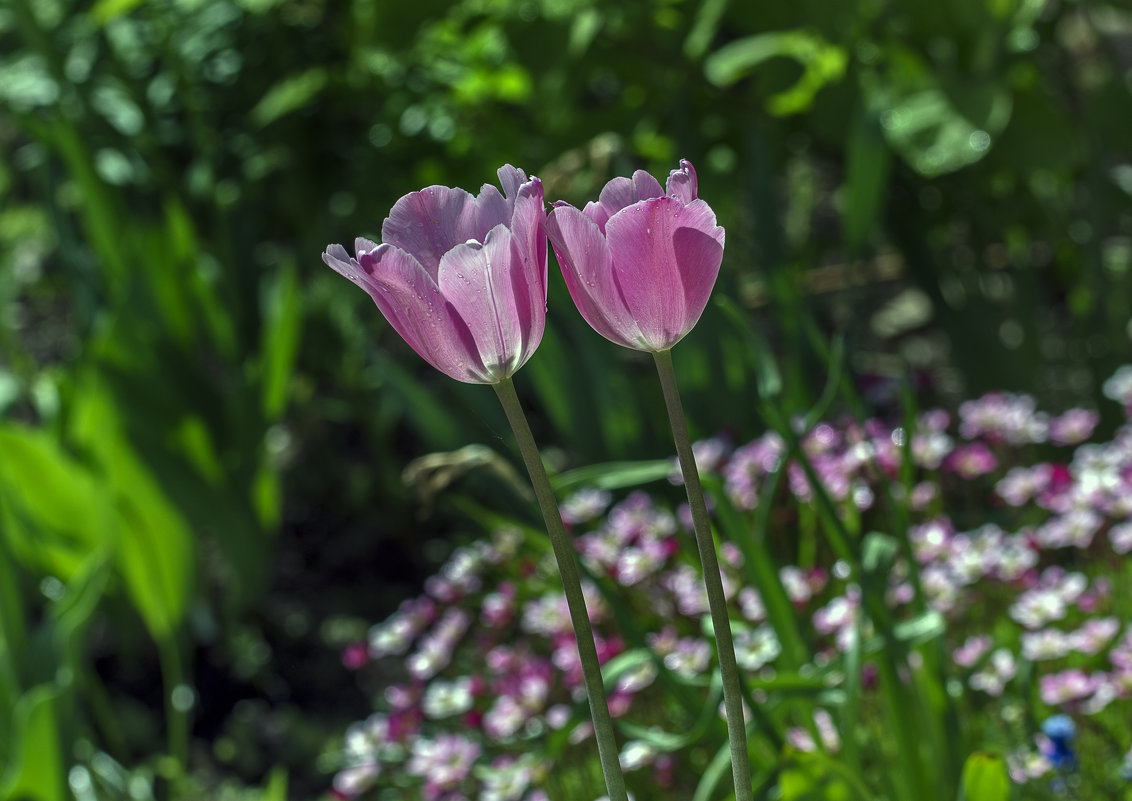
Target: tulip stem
568,568
732,694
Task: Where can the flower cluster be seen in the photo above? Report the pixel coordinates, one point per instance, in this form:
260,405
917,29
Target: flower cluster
1016,556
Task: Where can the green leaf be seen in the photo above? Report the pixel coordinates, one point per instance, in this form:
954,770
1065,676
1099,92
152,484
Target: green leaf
585,26
280,340
868,164
985,778
821,63
276,787
35,770
704,28
54,511
719,767
920,629
936,126
155,545
878,553
106,10
613,475
290,94
621,664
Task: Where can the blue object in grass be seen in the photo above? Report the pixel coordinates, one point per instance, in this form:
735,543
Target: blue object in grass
1062,734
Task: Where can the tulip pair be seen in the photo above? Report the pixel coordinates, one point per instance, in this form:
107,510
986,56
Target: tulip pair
463,279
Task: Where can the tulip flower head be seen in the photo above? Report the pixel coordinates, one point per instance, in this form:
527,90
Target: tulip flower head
640,263
462,279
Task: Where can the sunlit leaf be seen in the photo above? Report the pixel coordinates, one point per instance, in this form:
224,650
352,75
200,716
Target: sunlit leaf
936,125
54,510
822,63
155,545
289,95
35,769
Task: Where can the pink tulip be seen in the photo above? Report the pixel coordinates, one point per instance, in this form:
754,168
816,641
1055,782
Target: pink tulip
640,263
462,279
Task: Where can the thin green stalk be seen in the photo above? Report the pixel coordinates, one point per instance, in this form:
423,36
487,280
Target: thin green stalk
176,718
732,693
568,568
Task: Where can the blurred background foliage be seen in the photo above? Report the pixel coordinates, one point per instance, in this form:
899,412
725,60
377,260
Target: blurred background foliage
204,430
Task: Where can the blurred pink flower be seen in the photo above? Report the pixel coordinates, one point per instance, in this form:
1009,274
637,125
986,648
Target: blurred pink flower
640,263
462,279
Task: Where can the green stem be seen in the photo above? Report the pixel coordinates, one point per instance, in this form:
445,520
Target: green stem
177,721
568,568
732,694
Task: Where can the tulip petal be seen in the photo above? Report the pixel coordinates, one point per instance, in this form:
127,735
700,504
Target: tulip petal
699,215
491,210
587,267
699,256
511,178
413,304
429,222
644,260
596,212
487,286
683,183
529,236
622,192
337,259
363,245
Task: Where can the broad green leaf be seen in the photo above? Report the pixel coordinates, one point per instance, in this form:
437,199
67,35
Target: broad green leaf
35,769
54,510
985,778
155,547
